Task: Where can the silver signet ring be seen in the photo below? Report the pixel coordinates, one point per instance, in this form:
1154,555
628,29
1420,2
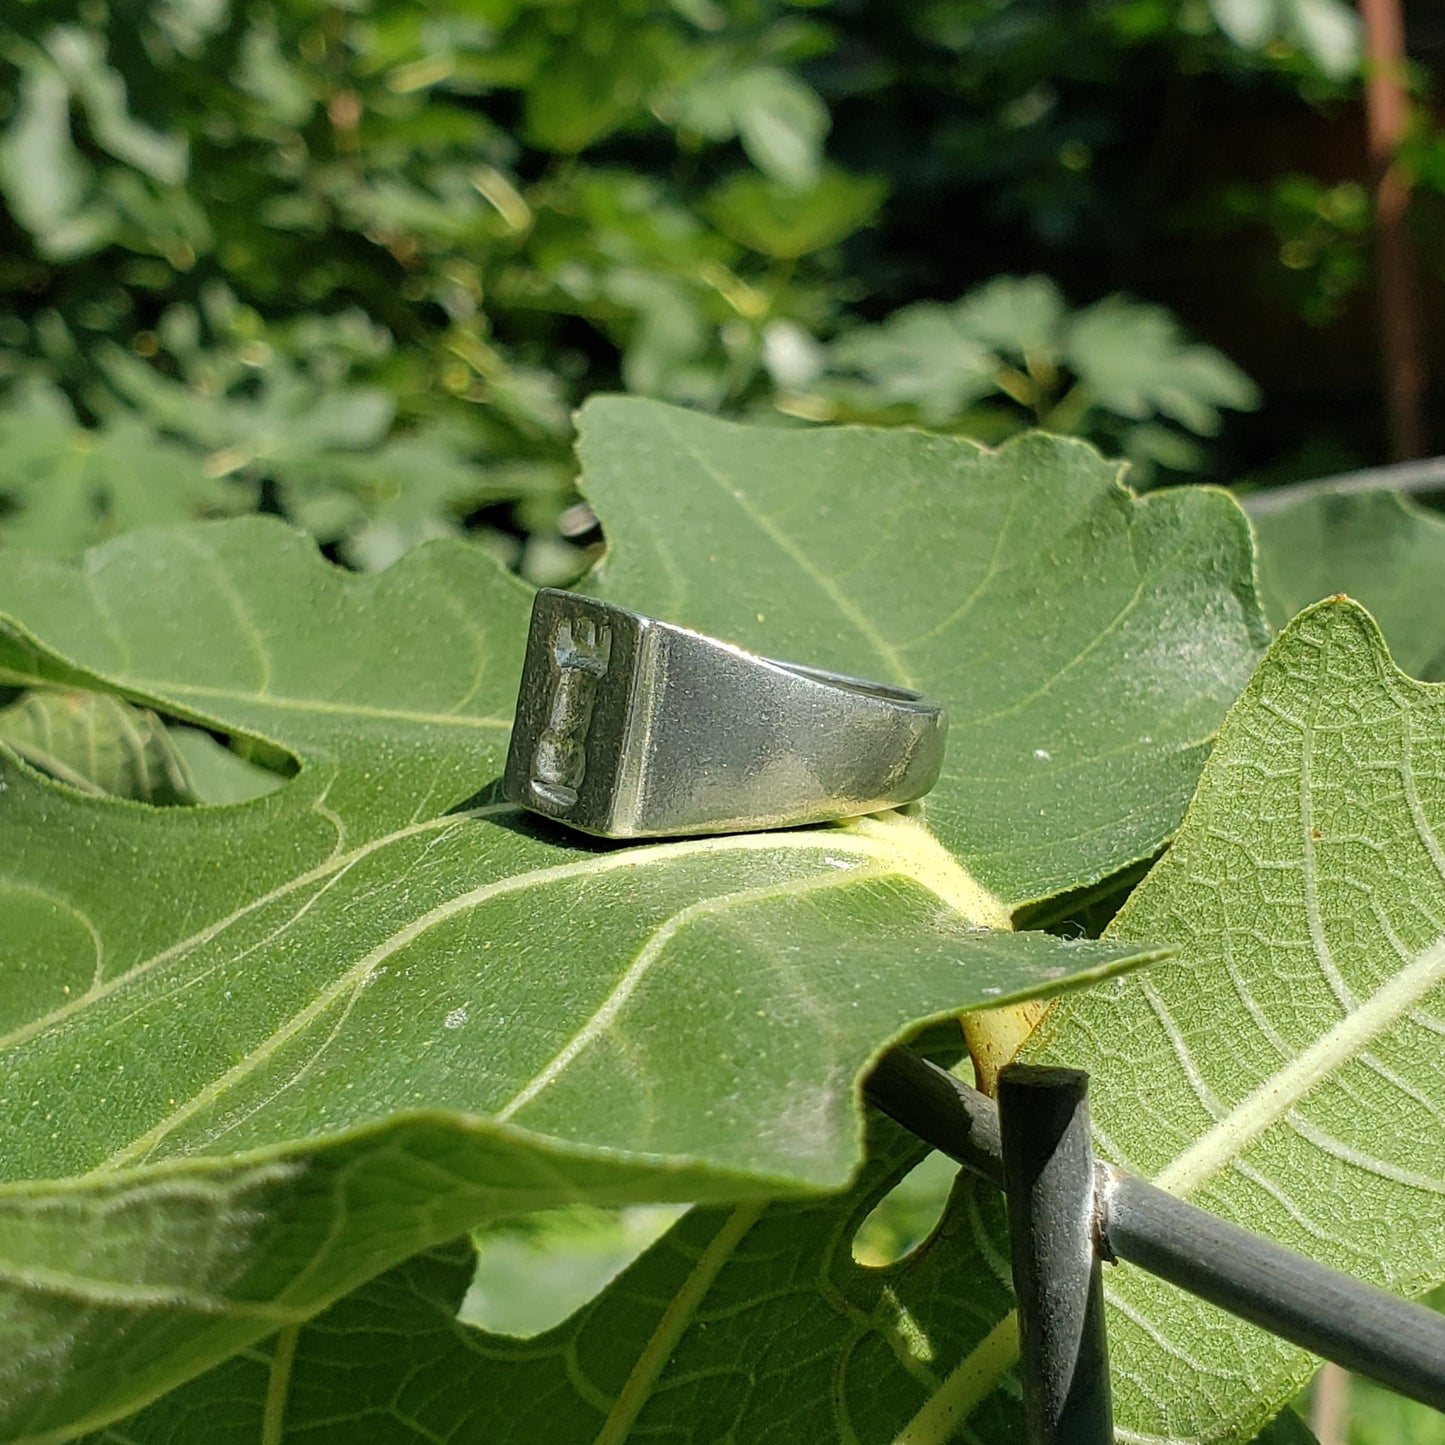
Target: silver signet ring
628,727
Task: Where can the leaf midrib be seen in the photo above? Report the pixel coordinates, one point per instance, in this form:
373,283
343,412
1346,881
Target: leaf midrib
676,1318
160,689
892,844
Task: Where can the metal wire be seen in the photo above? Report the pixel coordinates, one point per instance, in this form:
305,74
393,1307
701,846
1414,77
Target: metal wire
1365,1329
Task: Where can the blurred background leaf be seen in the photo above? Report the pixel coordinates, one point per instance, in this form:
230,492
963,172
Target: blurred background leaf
103,746
1013,355
357,264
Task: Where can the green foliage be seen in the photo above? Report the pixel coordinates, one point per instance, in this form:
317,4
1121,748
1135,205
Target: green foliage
908,1214
99,744
356,264
1012,355
1327,31
1378,547
531,1274
1289,1058
765,1303
1378,1417
733,1279
324,983
288,999
388,1010
68,485
96,744
1320,234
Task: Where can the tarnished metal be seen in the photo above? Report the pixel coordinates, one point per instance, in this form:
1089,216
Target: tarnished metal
628,727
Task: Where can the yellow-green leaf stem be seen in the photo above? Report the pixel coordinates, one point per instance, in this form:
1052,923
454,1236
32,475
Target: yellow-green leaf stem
969,1383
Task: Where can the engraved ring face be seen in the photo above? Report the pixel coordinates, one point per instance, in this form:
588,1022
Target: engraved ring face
628,727
580,650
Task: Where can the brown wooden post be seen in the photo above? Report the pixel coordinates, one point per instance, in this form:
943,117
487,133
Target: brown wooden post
1402,349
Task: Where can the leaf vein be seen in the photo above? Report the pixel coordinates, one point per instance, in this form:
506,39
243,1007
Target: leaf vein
1277,1095
826,584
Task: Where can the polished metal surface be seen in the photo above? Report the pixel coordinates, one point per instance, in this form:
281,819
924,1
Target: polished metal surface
628,727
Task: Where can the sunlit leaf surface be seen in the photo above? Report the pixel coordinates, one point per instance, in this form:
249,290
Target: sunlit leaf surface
1284,1072
251,1056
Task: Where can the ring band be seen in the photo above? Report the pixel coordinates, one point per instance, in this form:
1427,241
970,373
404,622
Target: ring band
628,727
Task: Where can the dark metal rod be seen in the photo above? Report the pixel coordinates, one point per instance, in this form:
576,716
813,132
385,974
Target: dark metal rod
1399,1344
941,1110
1365,1329
1049,1181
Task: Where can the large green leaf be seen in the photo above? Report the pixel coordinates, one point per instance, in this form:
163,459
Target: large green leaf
749,1323
1378,547
746,1323
1086,643
256,1054
1284,1072
390,1352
